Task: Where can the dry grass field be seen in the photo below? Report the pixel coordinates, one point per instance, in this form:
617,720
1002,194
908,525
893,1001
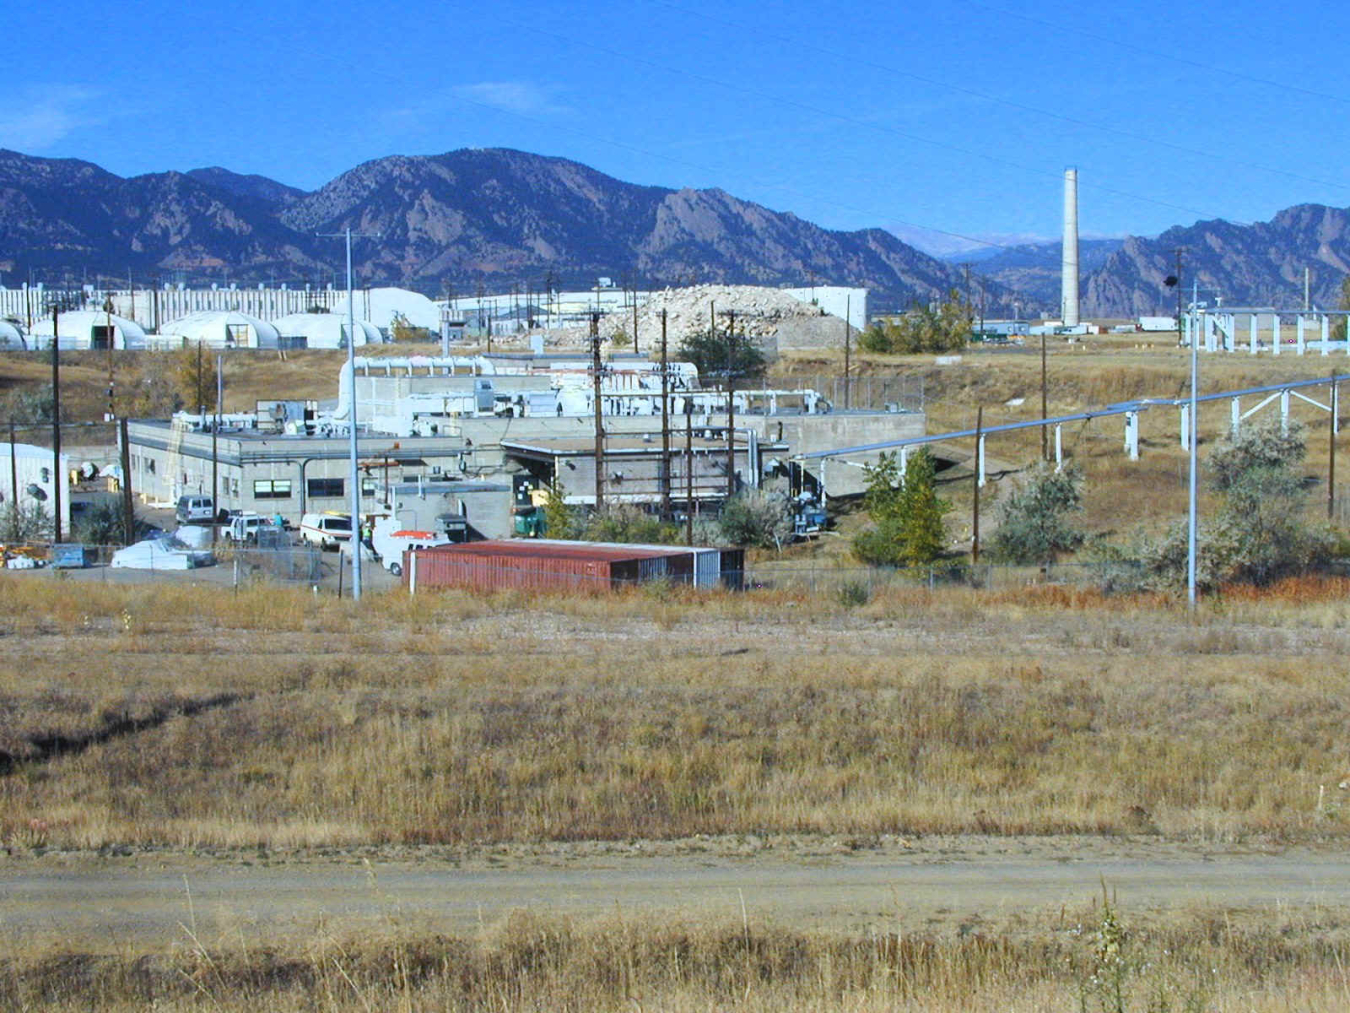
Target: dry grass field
192,720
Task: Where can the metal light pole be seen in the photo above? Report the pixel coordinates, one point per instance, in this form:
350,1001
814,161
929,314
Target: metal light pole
355,478
1191,533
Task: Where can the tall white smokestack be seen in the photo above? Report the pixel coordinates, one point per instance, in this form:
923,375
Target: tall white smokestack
1069,278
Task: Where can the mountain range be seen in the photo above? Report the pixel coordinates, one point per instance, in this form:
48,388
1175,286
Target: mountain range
482,217
498,218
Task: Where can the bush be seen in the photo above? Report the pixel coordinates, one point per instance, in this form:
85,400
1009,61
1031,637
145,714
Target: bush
761,518
1258,534
32,523
101,523
921,329
629,524
1034,521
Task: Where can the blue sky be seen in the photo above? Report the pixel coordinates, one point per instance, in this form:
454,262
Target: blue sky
957,116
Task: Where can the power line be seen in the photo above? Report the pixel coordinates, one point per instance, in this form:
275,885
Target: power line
995,99
831,114
1169,58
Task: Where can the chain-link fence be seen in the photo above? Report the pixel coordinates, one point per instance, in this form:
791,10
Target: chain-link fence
226,563
845,580
877,393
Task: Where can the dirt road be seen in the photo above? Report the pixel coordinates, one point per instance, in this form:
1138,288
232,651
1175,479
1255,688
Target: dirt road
935,885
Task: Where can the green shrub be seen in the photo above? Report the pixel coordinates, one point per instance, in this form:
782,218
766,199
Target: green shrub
1034,524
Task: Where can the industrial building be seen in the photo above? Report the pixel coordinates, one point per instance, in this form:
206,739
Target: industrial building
471,437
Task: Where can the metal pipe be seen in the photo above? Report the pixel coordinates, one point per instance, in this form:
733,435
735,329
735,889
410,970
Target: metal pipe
1106,412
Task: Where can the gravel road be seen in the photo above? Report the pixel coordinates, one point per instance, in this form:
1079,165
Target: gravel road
934,886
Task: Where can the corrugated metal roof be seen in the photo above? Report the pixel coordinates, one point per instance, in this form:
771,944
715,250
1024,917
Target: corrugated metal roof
528,548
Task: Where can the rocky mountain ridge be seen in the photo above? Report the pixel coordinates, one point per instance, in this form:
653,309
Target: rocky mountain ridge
445,223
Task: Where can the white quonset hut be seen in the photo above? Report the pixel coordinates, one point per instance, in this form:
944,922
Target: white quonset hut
382,305
326,330
36,484
88,329
221,329
11,337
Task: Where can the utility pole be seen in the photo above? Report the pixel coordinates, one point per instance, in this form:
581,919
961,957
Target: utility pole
201,397
598,402
56,426
975,485
107,308
847,308
215,455
689,470
355,476
1331,449
13,480
665,424
731,405
1045,436
128,503
635,322
1192,512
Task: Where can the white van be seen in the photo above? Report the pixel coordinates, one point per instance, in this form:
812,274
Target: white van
327,531
192,509
389,540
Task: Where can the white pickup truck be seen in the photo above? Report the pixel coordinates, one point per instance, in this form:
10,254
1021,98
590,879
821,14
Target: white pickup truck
243,528
389,539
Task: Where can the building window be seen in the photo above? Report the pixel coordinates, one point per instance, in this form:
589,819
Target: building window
272,488
324,488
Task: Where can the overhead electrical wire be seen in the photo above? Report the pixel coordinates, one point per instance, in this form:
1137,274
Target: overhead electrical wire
1169,58
576,42
760,32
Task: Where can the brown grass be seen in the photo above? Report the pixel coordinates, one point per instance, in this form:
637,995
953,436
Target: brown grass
445,719
1196,959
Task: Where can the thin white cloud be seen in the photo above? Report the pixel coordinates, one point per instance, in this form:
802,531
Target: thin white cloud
512,96
41,116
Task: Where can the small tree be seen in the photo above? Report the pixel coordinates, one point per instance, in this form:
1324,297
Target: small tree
193,372
906,511
560,519
1034,523
716,352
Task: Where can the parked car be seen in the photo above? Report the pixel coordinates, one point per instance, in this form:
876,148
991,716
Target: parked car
327,531
195,509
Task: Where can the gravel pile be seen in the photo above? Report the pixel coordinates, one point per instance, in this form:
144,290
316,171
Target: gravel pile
759,314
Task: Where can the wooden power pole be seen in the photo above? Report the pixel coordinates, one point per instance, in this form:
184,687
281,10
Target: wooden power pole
56,426
665,424
599,414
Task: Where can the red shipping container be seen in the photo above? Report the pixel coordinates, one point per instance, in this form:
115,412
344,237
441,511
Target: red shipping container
543,566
